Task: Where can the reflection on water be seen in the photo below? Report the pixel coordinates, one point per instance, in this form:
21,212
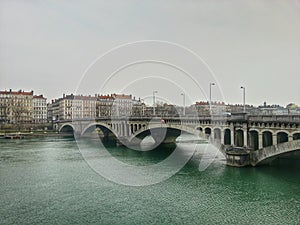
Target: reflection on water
46,181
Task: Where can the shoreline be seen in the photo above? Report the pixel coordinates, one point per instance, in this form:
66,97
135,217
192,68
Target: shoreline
35,134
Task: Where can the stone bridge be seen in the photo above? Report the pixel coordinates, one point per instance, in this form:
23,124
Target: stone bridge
258,133
131,132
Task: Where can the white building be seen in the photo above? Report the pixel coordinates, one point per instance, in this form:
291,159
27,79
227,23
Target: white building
122,105
71,107
39,109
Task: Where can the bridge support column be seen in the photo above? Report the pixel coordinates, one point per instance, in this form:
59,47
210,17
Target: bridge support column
290,137
232,136
260,141
222,136
274,139
122,129
245,137
126,129
129,129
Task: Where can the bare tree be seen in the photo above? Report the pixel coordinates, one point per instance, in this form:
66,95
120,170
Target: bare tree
20,113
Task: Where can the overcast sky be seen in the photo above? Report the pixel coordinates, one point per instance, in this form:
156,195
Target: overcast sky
46,46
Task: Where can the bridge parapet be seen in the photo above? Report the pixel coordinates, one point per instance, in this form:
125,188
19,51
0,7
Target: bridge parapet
275,118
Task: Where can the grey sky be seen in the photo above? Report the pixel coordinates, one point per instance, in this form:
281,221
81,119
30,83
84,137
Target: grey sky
47,45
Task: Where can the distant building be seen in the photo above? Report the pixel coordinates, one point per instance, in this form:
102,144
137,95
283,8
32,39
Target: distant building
202,108
117,105
104,105
167,110
272,110
50,115
205,109
16,107
138,108
293,108
220,108
71,107
237,108
39,109
122,105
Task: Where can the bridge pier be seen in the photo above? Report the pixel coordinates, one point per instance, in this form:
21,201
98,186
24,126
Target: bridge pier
260,140
274,139
232,135
238,157
222,136
245,133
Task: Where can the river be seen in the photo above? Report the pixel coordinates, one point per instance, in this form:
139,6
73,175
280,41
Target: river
47,181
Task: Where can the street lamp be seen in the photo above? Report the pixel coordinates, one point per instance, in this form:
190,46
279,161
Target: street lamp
244,97
183,96
210,84
154,92
142,103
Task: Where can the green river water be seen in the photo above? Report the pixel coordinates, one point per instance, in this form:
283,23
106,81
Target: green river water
47,181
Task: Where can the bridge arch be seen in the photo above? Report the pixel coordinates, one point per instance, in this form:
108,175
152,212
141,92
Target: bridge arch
267,137
207,131
239,138
227,136
217,133
105,128
200,129
296,136
67,128
282,137
253,139
254,129
172,131
268,154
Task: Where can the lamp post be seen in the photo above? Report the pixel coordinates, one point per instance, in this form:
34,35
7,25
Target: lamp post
154,92
142,101
244,97
183,96
210,84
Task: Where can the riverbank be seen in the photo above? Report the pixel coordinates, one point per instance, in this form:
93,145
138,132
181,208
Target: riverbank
33,134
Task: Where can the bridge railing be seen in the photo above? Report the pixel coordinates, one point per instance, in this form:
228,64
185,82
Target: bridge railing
275,118
251,118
